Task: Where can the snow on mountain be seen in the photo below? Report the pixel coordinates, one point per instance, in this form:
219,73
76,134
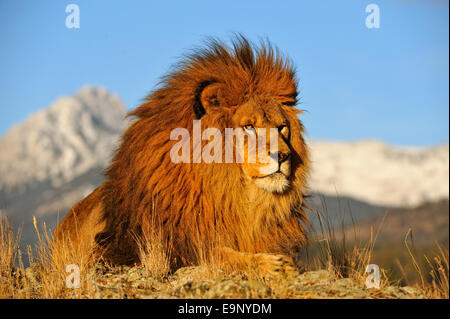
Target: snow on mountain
380,174
65,140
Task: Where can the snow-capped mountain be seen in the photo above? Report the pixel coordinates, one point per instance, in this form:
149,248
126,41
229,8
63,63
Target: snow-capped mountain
67,139
380,174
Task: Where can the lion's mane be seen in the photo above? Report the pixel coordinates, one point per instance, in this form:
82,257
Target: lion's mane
196,205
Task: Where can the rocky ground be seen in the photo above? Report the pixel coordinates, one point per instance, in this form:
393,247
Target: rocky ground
191,282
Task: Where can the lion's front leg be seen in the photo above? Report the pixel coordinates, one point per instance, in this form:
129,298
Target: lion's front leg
266,265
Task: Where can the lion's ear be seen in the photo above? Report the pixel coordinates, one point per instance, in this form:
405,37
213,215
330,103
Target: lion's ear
211,97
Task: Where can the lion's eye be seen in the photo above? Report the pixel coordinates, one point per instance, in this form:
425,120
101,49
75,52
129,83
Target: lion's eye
282,129
249,127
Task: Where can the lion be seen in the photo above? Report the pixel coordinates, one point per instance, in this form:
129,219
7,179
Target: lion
246,214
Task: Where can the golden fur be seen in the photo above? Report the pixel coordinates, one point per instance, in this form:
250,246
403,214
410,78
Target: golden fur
223,206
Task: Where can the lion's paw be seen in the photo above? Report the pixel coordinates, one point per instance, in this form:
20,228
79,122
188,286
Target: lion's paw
275,266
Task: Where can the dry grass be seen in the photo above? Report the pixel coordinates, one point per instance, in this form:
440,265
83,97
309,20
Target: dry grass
55,262
348,258
333,251
154,251
12,283
437,266
49,264
343,257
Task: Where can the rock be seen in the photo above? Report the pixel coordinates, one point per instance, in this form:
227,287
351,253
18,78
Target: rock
403,293
320,277
348,288
201,282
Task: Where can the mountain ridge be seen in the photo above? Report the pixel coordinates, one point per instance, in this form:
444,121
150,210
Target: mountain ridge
380,174
62,141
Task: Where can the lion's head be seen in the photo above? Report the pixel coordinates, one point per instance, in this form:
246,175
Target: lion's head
270,167
253,206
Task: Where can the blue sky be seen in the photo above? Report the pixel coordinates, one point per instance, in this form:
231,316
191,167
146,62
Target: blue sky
389,83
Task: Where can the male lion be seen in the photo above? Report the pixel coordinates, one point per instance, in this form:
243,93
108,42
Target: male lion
244,214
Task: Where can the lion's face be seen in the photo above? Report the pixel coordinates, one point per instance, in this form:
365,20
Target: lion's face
270,169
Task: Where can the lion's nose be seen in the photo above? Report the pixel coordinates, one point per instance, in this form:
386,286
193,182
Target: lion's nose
282,156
